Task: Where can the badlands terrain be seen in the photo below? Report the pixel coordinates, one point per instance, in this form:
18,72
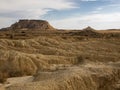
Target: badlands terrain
36,56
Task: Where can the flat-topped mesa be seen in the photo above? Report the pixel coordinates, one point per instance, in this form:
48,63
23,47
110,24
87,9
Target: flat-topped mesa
32,24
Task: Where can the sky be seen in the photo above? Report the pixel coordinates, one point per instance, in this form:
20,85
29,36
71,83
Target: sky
63,14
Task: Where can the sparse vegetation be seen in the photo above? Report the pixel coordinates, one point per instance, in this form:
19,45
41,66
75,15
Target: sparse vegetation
3,77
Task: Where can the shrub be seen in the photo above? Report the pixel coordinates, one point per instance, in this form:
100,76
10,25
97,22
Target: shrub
16,73
80,59
3,77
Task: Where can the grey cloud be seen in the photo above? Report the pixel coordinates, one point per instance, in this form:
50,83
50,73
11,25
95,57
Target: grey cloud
31,9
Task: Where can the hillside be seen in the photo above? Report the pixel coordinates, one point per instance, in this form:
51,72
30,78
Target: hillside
61,60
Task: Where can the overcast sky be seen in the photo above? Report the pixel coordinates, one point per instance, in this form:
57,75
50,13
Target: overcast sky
67,14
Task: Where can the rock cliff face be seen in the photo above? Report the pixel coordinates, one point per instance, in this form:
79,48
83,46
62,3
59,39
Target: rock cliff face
32,24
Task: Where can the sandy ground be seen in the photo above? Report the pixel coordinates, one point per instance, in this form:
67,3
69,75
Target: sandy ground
87,75
16,80
2,87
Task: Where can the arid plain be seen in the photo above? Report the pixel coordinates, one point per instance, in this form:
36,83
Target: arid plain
36,56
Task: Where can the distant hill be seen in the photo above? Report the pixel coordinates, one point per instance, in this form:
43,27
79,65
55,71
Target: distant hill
88,32
24,29
31,24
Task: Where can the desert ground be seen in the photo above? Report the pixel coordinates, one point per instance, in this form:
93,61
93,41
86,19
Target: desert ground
36,56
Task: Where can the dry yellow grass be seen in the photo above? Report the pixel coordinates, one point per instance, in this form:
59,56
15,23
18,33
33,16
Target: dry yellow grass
82,77
43,51
61,61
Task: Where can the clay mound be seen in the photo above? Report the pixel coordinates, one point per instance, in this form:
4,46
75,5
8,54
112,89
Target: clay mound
89,29
31,24
89,32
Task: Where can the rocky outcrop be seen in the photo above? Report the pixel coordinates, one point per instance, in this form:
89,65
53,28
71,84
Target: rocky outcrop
31,24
